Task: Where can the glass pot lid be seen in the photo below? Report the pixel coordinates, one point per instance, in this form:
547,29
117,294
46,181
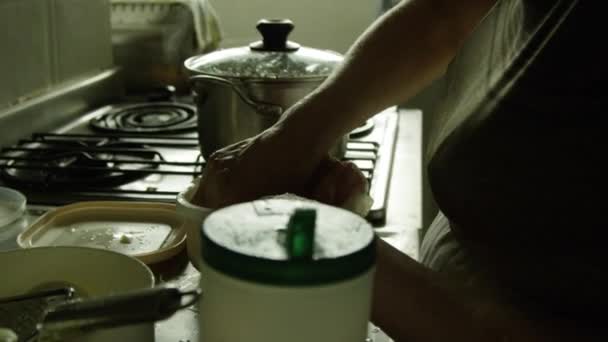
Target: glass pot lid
273,57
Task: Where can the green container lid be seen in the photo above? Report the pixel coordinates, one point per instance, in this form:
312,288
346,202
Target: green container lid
288,242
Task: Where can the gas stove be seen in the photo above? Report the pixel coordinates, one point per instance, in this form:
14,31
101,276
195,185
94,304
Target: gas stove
143,148
148,151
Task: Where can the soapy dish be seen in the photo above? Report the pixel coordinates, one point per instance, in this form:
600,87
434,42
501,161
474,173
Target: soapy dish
150,232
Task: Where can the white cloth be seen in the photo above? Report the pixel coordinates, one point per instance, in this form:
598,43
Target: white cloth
206,24
204,17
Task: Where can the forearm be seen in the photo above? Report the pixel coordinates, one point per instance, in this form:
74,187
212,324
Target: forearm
412,303
393,60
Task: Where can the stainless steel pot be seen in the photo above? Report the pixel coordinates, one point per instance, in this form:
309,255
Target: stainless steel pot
239,92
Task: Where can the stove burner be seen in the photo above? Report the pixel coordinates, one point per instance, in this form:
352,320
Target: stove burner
76,164
363,130
143,118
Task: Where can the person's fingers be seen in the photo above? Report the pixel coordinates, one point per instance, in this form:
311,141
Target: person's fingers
351,182
360,183
345,183
336,182
215,181
325,189
230,149
310,186
207,194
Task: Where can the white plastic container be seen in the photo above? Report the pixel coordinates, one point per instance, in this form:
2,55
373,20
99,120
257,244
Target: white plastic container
193,216
260,282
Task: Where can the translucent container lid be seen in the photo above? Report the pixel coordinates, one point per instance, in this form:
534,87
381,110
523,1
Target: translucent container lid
150,232
12,205
274,57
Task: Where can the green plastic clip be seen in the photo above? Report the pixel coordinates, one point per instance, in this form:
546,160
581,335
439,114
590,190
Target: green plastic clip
301,233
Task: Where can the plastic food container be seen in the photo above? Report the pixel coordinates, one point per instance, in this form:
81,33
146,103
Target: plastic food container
12,205
150,232
285,270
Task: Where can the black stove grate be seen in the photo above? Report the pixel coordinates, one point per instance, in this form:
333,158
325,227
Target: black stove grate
71,161
140,167
99,164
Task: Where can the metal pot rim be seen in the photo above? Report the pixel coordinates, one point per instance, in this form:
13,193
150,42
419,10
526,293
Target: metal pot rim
261,79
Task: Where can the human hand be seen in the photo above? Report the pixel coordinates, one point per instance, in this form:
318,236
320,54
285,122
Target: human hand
270,164
340,184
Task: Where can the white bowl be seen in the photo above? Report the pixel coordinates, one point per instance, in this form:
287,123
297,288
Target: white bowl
193,215
93,272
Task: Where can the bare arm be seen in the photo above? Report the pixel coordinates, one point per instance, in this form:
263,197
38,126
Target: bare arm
412,303
395,58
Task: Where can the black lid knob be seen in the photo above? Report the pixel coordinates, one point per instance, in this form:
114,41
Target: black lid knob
274,36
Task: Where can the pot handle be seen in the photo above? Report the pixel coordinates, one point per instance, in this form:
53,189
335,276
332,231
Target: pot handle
260,107
136,306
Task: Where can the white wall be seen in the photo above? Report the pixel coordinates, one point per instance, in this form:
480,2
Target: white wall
46,42
332,24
